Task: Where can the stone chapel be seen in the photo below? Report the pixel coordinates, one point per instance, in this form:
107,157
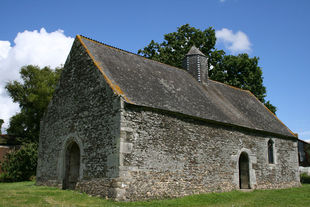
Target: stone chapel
128,128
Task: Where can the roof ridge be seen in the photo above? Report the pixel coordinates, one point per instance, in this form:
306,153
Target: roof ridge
116,48
96,41
101,43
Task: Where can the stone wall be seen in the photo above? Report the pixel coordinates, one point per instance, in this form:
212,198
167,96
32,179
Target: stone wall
170,155
83,110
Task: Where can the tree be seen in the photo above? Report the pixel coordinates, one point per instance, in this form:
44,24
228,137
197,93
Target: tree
1,122
239,71
242,72
21,164
33,95
177,44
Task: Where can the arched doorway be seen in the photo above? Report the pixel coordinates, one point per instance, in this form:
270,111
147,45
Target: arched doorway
244,173
72,166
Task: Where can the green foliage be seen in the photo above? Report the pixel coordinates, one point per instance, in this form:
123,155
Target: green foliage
271,107
239,71
243,72
1,122
176,44
304,178
33,95
21,164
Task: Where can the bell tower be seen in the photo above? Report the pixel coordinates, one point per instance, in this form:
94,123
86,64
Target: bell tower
196,63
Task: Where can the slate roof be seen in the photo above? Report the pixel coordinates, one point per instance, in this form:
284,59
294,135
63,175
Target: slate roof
149,83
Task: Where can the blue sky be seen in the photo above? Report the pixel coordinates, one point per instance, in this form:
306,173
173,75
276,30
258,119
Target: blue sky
275,31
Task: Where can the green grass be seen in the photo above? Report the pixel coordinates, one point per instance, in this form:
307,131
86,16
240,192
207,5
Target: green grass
27,194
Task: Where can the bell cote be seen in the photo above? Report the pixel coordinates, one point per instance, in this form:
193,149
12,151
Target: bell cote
196,63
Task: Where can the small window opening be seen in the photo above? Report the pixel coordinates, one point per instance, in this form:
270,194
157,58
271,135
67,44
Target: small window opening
270,152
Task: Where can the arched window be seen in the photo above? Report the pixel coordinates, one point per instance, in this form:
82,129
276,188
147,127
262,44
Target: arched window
270,152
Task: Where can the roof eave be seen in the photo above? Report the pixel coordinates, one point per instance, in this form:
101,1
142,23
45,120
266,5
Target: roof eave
213,121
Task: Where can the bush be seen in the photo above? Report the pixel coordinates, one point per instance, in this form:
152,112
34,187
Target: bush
20,165
304,178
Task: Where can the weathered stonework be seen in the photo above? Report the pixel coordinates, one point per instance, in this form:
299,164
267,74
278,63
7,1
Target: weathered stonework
83,110
127,148
172,155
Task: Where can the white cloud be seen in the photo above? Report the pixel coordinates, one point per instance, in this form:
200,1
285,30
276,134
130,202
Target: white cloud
235,43
304,135
31,47
5,47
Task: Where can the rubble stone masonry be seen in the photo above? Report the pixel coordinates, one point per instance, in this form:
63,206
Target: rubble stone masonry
130,152
170,155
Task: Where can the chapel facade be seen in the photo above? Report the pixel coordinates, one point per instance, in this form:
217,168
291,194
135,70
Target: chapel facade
128,128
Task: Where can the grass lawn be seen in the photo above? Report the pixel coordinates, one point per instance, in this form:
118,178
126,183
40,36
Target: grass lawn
27,194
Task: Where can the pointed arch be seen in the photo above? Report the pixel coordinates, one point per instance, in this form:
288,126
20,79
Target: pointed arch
72,165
